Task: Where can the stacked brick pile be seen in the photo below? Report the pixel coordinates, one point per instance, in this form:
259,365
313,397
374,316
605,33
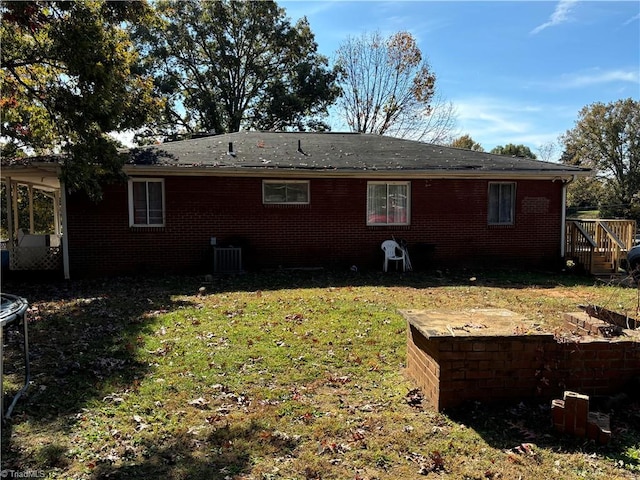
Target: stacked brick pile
583,324
571,415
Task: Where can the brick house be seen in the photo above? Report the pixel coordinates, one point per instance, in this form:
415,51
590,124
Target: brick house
314,200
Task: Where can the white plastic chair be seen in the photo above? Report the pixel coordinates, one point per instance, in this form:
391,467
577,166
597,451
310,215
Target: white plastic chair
393,252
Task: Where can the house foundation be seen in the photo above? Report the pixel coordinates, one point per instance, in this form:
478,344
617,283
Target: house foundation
495,355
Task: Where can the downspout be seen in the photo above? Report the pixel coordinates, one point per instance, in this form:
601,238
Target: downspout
65,231
563,221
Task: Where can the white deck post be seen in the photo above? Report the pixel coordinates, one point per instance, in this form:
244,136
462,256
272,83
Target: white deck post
9,212
56,212
31,222
65,231
14,203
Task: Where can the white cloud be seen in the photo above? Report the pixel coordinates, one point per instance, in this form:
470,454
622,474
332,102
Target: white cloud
632,19
297,9
591,77
493,121
559,15
598,77
126,137
490,116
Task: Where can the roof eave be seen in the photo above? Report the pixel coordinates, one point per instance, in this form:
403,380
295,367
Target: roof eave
271,172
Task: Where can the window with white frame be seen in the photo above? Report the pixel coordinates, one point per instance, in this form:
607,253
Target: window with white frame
502,201
146,202
388,203
285,192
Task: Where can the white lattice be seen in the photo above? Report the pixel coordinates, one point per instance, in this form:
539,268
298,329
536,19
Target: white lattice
35,258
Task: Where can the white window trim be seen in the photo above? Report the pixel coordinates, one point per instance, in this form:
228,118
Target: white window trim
131,214
513,203
382,182
280,182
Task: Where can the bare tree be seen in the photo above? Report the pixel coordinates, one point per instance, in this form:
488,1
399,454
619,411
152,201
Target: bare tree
547,150
435,124
389,89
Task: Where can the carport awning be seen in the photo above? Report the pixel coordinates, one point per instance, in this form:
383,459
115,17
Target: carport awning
43,177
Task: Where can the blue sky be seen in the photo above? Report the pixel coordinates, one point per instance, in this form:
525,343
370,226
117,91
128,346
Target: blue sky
517,72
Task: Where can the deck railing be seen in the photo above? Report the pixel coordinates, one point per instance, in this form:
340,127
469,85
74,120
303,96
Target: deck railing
599,244
580,244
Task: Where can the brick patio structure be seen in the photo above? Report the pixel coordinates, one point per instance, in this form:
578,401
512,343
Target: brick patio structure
493,355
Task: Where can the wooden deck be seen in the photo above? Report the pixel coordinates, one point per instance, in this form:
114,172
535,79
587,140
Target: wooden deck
599,246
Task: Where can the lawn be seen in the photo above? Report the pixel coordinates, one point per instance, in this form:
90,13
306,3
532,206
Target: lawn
283,376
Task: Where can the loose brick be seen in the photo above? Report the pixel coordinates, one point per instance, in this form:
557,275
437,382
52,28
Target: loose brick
558,415
582,412
599,427
569,413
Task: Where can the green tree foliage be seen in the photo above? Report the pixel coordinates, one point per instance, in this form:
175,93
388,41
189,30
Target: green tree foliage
42,211
606,138
585,193
466,142
226,65
388,88
68,80
514,151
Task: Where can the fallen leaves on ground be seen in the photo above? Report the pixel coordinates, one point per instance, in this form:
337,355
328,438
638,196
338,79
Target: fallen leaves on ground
433,463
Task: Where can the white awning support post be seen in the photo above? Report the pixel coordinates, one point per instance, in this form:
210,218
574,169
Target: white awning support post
10,230
32,229
65,231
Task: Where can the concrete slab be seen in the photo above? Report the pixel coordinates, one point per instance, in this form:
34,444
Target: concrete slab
475,322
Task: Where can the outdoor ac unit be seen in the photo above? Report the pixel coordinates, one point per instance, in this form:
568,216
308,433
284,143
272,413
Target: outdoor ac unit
227,260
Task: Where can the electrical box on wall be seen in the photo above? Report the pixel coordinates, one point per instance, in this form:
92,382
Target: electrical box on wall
214,241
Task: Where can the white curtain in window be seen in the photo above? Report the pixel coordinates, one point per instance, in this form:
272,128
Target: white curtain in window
501,201
397,203
147,203
377,203
286,192
387,203
140,203
154,192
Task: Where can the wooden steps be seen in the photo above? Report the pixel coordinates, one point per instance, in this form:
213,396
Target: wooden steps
599,246
600,265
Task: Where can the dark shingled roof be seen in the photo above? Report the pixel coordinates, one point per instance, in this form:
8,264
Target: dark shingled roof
350,152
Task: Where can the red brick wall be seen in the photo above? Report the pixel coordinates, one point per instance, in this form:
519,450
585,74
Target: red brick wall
448,227
453,370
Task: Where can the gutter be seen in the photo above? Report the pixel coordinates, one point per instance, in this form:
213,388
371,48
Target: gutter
286,172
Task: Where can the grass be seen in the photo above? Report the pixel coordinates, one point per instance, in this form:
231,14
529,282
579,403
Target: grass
585,214
282,376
